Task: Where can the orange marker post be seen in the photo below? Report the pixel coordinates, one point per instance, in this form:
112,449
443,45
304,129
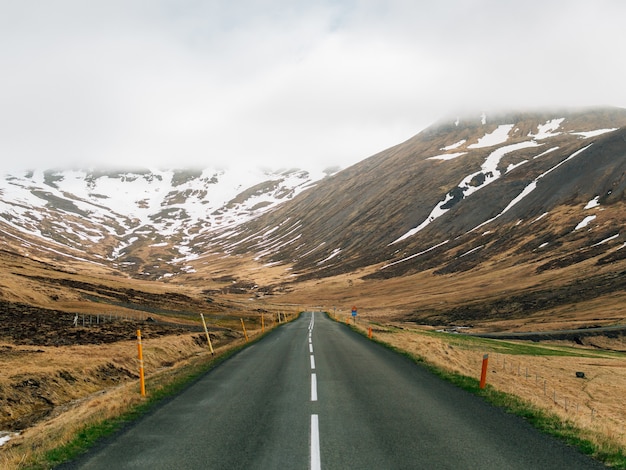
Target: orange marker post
369,332
142,380
483,374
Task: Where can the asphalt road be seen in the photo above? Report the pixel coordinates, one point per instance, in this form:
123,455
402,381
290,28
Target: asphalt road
314,394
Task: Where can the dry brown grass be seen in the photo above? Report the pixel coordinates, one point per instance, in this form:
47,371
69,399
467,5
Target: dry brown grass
106,385
425,292
89,383
593,403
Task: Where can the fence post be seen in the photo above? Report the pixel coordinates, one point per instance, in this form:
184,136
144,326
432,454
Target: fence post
483,374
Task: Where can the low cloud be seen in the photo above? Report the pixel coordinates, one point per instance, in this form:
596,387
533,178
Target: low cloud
183,83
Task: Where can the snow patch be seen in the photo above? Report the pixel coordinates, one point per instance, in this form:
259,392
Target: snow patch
589,134
595,202
447,156
513,166
606,240
471,251
586,221
497,137
414,255
335,252
546,130
546,152
453,146
6,437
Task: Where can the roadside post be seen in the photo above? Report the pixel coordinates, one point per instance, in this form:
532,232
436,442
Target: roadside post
245,334
483,374
369,332
354,312
142,380
208,338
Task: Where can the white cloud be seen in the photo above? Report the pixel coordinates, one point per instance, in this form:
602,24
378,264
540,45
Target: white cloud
172,83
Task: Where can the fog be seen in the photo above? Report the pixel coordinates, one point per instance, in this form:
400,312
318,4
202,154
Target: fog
169,83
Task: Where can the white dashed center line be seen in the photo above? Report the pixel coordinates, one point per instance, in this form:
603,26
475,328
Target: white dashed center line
313,387
316,463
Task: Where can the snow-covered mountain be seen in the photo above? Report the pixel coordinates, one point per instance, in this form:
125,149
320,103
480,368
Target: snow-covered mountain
140,221
461,193
541,187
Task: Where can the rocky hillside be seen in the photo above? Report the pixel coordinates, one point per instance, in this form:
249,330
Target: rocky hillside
544,185
544,190
142,222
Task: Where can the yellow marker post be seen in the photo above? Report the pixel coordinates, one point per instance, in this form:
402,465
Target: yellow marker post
142,380
244,330
262,322
208,338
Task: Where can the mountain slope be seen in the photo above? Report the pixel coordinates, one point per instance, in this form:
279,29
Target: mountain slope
139,221
505,213
477,185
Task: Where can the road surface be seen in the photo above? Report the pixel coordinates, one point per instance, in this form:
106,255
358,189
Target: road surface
314,394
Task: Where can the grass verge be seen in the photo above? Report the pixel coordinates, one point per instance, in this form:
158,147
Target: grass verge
160,388
601,448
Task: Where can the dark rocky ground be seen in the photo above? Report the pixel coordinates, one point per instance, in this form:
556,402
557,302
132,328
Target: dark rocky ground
23,324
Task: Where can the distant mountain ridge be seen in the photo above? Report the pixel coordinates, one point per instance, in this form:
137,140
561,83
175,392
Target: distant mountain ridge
140,221
536,185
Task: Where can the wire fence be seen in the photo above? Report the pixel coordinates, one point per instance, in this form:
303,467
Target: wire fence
87,320
568,394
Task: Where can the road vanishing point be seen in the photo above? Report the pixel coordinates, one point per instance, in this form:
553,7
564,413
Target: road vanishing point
313,394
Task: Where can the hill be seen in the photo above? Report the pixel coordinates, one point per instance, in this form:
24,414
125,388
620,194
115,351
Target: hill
494,217
496,223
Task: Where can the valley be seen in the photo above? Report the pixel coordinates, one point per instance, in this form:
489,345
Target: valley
509,225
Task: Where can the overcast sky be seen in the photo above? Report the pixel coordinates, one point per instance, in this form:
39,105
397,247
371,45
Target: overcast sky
173,83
